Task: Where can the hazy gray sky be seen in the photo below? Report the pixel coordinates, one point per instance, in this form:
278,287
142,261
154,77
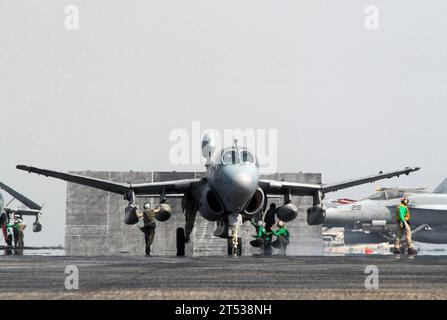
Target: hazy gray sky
346,101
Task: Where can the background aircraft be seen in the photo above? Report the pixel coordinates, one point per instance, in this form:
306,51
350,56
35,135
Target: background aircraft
372,220
6,210
230,190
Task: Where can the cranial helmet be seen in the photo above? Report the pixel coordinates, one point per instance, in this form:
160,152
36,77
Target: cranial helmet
260,224
146,206
281,223
405,200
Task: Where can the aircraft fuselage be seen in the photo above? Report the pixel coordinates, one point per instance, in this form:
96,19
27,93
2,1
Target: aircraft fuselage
235,184
423,210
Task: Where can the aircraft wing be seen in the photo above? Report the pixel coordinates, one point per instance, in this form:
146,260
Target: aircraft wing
434,215
23,212
167,187
369,179
20,197
283,187
423,209
428,207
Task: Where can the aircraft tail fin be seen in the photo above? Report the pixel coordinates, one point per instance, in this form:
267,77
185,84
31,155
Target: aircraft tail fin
442,188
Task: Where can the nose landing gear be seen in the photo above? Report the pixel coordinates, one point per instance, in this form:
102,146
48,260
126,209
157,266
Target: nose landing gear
234,246
234,241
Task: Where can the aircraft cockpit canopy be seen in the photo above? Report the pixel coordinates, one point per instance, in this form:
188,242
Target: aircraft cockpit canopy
386,195
229,156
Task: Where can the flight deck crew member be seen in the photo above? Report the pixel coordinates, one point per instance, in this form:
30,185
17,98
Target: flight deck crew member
148,227
7,234
17,227
269,218
403,225
262,238
14,231
282,237
21,225
261,233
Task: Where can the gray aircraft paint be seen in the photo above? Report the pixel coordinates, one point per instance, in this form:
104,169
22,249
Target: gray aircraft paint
442,188
425,208
236,183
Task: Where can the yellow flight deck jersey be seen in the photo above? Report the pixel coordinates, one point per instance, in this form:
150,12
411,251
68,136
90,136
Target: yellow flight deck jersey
149,215
402,213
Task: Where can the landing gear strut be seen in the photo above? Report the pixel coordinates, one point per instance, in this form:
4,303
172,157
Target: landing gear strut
234,241
234,246
180,242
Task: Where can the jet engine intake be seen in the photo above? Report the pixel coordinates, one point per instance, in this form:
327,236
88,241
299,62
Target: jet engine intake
130,215
287,212
255,204
316,215
163,212
210,206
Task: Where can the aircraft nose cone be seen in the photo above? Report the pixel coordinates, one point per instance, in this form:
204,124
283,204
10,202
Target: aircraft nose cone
236,186
242,181
242,187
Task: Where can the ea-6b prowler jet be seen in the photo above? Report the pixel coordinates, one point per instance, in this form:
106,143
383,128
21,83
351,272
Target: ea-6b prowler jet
7,214
230,190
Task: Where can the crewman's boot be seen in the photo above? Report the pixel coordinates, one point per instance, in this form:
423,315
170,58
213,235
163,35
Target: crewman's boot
396,253
148,252
411,253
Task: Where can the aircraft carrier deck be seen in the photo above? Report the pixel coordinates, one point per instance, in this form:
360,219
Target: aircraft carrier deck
132,277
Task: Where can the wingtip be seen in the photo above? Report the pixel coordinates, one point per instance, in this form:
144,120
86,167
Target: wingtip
412,169
22,167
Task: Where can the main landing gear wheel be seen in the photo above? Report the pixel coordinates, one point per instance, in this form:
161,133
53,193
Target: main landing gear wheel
234,250
180,242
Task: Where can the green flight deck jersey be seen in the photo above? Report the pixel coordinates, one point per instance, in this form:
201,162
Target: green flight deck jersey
262,233
402,213
281,232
